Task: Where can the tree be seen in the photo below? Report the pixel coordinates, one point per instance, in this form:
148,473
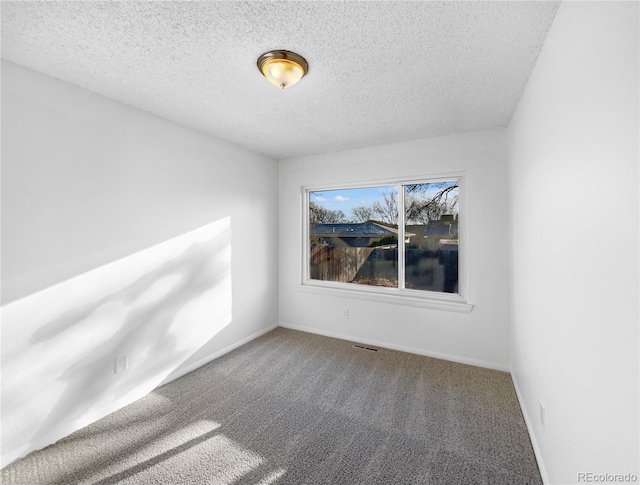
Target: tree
322,215
336,217
420,208
361,213
387,210
423,203
384,241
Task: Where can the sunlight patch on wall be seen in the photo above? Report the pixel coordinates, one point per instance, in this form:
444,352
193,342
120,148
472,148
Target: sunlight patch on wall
152,310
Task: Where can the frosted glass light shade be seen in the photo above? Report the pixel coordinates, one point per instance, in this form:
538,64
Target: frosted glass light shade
282,68
282,72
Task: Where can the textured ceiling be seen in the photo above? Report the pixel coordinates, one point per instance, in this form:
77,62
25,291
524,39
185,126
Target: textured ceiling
379,72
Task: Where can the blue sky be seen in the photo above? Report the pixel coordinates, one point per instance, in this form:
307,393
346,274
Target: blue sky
347,199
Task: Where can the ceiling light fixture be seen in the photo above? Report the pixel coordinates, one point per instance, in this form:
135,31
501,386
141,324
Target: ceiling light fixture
282,68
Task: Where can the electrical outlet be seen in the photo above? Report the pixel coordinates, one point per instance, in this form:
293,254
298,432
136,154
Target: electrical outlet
120,364
542,416
345,313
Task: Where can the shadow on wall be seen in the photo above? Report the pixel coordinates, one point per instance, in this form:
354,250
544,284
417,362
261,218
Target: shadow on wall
59,346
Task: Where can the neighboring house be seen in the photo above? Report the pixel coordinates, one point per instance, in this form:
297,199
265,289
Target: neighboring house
443,233
363,234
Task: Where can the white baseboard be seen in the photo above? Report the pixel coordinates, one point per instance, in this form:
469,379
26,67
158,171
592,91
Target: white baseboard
534,442
402,348
182,371
40,442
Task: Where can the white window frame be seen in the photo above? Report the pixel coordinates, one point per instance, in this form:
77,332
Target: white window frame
403,296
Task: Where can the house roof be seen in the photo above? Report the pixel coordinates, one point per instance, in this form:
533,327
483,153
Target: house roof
369,229
366,229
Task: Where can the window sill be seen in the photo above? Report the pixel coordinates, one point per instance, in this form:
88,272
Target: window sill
452,303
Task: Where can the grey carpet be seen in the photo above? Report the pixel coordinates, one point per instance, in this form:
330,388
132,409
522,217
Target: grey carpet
296,408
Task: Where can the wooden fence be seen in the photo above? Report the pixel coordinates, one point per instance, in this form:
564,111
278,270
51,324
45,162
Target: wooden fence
425,270
336,264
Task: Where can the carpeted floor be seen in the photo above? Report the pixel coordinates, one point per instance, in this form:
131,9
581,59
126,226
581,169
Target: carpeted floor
296,408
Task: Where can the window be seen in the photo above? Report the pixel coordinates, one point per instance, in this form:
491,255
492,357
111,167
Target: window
400,238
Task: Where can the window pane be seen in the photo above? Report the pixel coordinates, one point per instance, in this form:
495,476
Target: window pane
353,236
431,236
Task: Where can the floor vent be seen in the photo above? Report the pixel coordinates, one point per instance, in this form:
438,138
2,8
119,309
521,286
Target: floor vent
370,349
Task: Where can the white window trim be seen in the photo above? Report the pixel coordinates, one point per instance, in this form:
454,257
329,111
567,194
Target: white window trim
402,296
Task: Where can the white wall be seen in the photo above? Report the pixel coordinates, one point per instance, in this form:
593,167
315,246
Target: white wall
122,233
480,337
573,179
